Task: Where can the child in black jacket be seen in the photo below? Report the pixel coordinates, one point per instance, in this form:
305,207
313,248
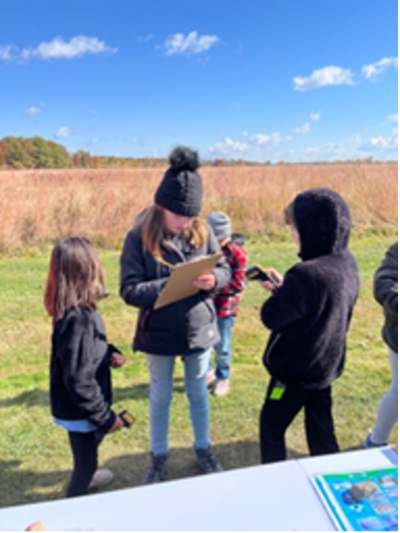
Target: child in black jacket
80,378
308,314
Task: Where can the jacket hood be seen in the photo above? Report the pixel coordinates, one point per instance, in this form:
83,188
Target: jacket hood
323,221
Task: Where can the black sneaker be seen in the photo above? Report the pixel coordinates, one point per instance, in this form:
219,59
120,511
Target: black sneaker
207,462
156,470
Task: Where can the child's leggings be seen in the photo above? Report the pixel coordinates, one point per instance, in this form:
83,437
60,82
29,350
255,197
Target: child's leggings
84,450
388,407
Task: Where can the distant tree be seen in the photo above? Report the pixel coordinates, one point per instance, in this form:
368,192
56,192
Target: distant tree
3,154
18,152
59,156
81,159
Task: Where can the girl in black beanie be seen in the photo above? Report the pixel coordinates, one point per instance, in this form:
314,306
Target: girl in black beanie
167,233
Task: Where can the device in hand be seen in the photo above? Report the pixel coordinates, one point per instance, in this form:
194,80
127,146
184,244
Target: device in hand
256,272
127,418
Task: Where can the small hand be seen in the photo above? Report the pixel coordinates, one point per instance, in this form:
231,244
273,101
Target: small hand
118,424
277,277
205,282
117,360
36,526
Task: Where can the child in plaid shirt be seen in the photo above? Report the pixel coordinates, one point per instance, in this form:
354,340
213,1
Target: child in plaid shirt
226,301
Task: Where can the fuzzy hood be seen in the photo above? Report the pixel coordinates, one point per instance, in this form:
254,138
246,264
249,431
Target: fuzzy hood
323,221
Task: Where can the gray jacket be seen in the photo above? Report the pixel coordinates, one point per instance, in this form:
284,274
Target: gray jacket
386,293
180,328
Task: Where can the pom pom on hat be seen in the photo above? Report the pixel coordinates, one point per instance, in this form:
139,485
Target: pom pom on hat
183,158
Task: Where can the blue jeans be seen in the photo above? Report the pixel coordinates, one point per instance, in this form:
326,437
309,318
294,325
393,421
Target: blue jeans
161,368
223,348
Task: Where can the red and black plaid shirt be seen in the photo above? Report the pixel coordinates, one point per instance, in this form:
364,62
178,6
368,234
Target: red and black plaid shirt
227,299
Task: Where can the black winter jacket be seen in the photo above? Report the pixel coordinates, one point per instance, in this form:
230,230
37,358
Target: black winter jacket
309,314
181,328
80,376
386,292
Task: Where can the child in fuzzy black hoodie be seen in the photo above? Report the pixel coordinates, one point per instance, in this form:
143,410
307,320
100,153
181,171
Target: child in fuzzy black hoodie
308,314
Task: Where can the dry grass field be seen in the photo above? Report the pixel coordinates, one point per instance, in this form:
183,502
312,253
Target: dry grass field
42,206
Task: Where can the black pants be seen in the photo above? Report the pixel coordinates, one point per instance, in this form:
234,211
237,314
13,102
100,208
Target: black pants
84,448
277,415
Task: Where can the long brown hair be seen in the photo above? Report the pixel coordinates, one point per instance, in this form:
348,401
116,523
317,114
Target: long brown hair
75,277
154,233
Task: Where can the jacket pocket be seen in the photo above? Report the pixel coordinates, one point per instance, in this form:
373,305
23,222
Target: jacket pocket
211,308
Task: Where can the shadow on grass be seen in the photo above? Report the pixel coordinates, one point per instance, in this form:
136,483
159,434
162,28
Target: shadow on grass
20,486
130,469
30,398
35,397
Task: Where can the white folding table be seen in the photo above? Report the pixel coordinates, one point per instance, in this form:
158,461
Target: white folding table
276,497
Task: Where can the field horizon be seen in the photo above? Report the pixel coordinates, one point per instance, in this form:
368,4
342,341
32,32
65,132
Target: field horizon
43,206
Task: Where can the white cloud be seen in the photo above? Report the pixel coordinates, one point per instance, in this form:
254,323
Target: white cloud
33,111
5,52
63,132
306,128
57,49
373,71
393,118
302,130
260,148
273,139
229,147
191,44
381,143
252,149
315,116
326,76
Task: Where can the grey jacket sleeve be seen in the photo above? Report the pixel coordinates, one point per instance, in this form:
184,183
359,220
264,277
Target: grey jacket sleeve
135,290
386,281
222,271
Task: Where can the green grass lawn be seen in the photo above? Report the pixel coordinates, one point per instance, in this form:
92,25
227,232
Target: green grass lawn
35,460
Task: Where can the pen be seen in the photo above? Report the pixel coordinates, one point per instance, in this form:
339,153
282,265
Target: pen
165,263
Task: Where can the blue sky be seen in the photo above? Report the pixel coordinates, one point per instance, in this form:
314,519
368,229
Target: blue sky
293,80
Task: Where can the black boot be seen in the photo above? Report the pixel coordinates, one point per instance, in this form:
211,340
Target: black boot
156,470
207,462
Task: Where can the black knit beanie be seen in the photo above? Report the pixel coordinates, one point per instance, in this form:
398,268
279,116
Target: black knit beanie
181,189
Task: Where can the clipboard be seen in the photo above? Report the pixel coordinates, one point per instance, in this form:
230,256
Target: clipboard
180,284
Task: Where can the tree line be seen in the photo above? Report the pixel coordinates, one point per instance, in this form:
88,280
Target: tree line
36,152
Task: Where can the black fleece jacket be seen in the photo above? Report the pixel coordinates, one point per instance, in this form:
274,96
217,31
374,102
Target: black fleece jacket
309,314
386,292
181,328
80,375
